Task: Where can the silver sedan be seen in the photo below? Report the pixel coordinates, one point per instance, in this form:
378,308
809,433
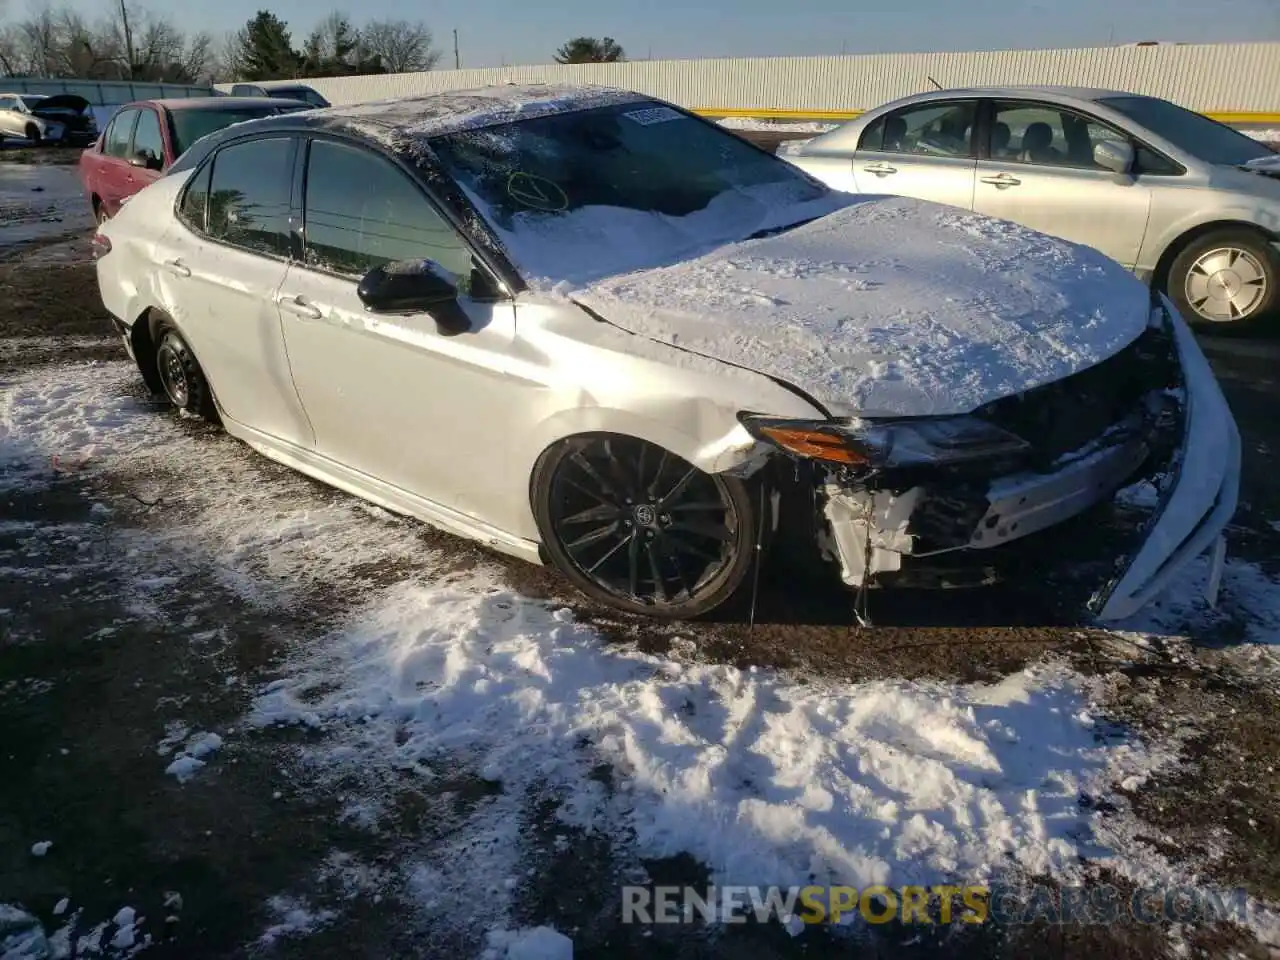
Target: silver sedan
1187,203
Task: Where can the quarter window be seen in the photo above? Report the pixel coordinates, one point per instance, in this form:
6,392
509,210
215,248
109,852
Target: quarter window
146,137
195,202
119,134
926,129
249,195
361,212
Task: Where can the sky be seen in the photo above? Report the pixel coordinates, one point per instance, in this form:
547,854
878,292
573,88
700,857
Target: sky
496,32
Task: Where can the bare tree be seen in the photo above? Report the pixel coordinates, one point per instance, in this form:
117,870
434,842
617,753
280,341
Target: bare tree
403,47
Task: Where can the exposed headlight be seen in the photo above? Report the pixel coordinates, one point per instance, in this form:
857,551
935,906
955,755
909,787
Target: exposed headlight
887,443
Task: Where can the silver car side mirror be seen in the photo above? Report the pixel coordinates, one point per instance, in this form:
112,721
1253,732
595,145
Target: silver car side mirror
1114,155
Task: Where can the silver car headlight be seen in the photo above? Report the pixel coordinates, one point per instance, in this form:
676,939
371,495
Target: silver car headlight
886,444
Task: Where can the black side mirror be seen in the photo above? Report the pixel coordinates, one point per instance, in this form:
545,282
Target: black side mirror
414,286
145,159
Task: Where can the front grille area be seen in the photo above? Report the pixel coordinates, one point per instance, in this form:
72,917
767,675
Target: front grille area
1064,416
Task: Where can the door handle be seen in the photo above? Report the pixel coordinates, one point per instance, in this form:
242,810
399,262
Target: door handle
1002,180
880,169
177,268
298,306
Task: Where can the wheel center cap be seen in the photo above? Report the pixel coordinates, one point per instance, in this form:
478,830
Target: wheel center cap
1224,284
646,516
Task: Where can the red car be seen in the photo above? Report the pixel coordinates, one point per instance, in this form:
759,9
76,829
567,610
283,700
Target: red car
145,137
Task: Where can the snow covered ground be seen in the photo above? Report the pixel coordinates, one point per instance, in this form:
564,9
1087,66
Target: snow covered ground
444,676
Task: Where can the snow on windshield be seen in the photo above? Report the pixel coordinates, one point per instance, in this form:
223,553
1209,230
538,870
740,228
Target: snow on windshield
580,196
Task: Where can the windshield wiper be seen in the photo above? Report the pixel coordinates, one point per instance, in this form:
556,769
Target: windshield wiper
759,234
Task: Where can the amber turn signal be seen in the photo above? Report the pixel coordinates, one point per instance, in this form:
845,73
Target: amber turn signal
814,444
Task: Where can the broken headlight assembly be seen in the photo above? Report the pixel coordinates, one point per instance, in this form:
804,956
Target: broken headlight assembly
887,444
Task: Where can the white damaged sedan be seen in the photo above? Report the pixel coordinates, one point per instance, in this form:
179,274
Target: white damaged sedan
589,328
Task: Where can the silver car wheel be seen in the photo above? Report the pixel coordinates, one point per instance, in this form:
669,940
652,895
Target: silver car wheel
1225,284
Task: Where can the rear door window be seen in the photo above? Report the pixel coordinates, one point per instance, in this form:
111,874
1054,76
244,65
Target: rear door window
249,193
930,129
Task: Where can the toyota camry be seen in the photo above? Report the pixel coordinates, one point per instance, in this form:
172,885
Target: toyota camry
589,328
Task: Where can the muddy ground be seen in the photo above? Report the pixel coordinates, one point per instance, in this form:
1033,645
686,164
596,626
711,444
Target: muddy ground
87,680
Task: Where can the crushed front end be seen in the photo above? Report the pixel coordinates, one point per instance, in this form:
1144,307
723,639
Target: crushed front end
941,501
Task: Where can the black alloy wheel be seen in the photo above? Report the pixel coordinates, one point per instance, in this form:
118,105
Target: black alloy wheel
640,529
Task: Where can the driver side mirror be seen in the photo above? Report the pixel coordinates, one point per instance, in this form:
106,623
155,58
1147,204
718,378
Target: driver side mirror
414,286
1114,155
146,160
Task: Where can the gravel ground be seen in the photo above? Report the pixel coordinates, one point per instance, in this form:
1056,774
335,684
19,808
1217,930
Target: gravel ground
92,676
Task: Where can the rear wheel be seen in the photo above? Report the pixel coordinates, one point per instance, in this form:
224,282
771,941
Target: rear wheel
33,134
638,528
1226,277
180,375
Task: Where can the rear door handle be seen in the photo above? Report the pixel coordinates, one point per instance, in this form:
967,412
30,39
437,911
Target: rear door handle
1002,180
880,169
298,306
177,268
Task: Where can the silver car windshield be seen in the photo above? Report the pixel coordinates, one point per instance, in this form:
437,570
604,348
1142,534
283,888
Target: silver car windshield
595,192
1195,133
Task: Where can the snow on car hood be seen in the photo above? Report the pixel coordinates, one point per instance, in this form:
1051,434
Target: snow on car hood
890,307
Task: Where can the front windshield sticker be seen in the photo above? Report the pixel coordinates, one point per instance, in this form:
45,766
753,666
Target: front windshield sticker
536,192
653,115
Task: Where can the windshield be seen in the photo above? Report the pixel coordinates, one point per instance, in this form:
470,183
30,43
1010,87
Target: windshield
583,195
1195,133
190,125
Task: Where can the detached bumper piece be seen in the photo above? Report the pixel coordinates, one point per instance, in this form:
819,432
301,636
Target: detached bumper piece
1199,493
1154,411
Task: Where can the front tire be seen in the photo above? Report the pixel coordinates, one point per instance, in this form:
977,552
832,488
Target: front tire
1225,277
641,530
180,375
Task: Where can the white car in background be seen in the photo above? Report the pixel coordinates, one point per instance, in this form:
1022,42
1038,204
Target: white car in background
64,119
590,328
1189,204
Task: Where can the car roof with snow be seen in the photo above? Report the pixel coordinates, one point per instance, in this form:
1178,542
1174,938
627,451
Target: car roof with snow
455,110
405,124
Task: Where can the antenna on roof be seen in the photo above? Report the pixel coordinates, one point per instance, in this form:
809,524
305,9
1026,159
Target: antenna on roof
936,84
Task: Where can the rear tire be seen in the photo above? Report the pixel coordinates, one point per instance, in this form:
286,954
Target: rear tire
180,375
1225,278
33,134
641,530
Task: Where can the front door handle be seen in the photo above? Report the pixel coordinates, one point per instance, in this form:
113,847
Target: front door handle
298,306
880,168
177,268
1002,180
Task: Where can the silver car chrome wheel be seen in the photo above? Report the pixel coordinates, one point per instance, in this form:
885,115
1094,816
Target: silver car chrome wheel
1226,284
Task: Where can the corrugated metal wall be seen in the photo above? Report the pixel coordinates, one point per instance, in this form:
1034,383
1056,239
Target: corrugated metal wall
1236,78
104,93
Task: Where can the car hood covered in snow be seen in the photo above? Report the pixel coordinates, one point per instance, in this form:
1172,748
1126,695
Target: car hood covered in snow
889,307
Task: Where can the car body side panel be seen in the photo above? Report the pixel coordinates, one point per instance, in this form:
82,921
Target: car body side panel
1103,210
584,375
946,180
1178,208
393,397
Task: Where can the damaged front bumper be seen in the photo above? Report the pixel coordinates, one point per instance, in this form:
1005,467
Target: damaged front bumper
1183,438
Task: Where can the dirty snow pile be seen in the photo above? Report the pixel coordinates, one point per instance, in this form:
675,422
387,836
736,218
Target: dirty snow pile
764,779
